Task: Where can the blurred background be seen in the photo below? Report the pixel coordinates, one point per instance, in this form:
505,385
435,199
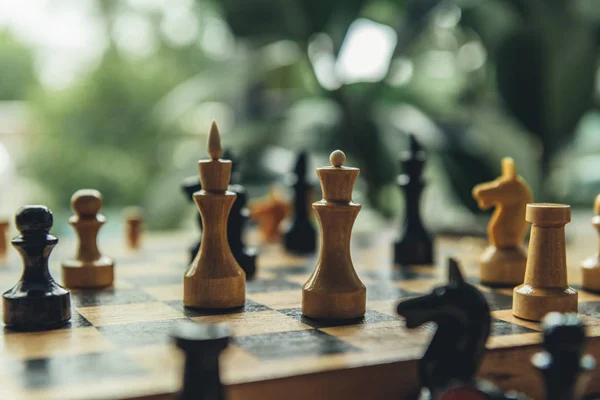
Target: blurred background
118,95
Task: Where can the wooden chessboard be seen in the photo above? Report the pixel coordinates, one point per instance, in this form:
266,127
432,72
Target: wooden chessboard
117,345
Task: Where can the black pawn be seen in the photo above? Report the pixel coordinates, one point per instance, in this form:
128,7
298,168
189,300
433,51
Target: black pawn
190,186
202,345
238,216
301,236
562,363
415,245
36,302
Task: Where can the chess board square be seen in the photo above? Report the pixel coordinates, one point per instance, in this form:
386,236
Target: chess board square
73,369
270,285
507,316
501,328
278,300
498,300
58,342
249,306
401,274
255,323
154,280
301,269
295,344
387,307
139,333
384,291
371,317
383,336
169,292
91,298
77,321
128,313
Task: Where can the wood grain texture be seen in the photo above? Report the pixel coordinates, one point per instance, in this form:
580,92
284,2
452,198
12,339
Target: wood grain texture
545,287
89,269
214,280
503,262
334,290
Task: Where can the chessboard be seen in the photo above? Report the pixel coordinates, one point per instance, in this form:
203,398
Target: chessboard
117,345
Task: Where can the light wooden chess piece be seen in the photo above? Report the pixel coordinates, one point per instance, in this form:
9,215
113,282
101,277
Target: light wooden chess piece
3,239
269,213
590,270
89,269
545,288
214,279
133,227
503,262
334,290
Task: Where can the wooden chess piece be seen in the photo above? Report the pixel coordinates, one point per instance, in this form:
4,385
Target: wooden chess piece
301,236
214,279
134,221
415,246
566,370
334,290
545,287
269,213
3,238
449,366
202,345
36,302
503,262
89,269
590,269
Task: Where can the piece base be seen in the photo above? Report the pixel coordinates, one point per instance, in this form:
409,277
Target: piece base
29,313
533,304
88,275
217,293
247,261
590,274
327,305
503,267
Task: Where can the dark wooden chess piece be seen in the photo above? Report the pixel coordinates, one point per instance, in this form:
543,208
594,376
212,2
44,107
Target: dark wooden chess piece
301,236
238,216
448,367
565,369
415,245
190,186
36,302
202,345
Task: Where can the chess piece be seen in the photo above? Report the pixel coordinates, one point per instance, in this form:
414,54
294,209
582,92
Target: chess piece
36,302
238,216
202,345
269,213
415,245
3,238
190,186
246,257
89,269
503,262
133,227
565,369
301,236
590,270
448,368
545,287
334,290
214,279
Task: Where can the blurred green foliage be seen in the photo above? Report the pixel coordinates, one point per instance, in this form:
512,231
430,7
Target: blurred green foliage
17,76
475,80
